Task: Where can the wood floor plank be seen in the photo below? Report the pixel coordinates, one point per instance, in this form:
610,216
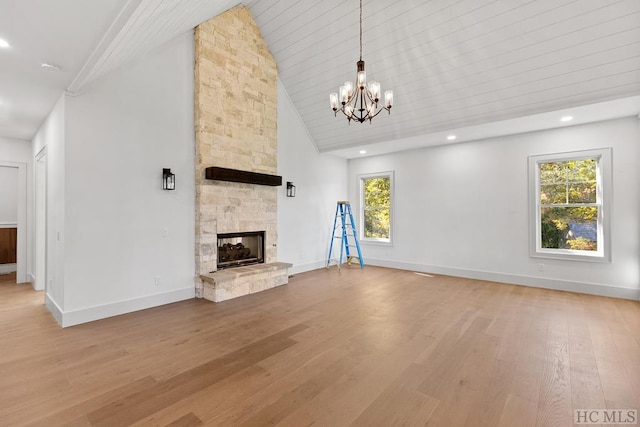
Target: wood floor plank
188,420
443,370
531,356
335,361
136,406
494,386
554,404
518,412
616,384
586,388
373,346
351,394
398,406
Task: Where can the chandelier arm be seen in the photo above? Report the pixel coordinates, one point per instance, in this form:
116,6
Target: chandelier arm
378,111
345,114
368,93
360,101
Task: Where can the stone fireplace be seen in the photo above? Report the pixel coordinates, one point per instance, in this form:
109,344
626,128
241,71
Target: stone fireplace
235,82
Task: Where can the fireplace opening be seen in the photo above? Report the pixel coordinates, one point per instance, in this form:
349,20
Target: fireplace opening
238,249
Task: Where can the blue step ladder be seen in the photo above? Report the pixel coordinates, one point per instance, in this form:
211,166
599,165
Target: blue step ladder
348,229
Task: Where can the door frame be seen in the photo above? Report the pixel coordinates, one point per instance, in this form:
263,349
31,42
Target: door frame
40,234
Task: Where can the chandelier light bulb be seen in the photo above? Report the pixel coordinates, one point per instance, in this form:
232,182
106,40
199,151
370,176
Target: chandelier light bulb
349,87
388,98
374,87
333,99
344,94
362,79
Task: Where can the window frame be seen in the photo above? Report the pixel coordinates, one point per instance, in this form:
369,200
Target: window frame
362,206
603,202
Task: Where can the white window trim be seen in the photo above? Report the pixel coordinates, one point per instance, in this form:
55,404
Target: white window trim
604,194
369,240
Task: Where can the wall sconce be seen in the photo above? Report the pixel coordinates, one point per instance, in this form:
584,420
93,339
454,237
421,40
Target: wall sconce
168,180
291,189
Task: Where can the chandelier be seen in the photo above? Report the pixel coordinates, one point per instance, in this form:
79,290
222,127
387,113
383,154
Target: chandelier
360,101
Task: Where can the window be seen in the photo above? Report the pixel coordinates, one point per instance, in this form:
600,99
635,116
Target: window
375,207
570,201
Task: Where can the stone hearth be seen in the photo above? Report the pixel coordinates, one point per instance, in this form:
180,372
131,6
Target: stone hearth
234,282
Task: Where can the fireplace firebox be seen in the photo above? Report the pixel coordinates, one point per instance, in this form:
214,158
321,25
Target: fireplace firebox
238,249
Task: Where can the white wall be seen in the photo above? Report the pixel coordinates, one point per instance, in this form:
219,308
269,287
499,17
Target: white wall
120,133
463,210
305,222
15,150
15,158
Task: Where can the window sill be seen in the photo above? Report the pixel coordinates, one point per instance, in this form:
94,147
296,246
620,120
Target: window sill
569,255
378,242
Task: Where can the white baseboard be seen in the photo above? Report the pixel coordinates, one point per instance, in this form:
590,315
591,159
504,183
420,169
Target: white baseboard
89,314
8,268
31,278
302,268
515,279
53,308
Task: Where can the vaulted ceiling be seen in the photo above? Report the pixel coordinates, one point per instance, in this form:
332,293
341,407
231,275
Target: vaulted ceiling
451,64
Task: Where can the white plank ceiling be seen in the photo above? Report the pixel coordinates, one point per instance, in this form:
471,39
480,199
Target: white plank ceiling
452,64
141,28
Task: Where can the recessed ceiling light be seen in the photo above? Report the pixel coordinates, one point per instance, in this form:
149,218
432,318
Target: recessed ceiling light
50,67
4,43
451,137
566,118
363,151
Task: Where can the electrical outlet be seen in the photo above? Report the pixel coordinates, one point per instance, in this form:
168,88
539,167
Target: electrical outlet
158,281
540,267
165,232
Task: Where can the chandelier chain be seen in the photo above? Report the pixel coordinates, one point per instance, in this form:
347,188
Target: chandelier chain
360,30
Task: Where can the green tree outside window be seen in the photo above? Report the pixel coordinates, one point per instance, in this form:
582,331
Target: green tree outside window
377,207
569,205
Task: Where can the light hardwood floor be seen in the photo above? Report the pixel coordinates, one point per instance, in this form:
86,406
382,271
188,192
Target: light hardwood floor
372,347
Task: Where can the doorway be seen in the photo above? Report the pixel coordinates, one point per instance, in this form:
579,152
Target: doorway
18,219
8,219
